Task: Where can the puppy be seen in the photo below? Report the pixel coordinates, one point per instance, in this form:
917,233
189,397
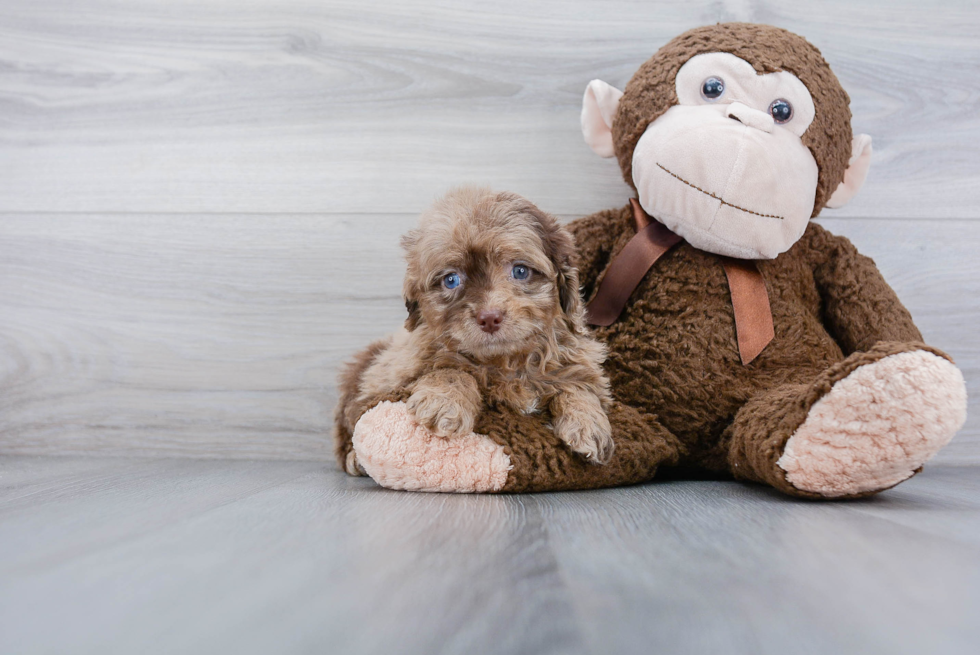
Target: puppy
494,317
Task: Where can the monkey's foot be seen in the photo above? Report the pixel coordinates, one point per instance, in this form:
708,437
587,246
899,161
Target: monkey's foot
398,453
877,426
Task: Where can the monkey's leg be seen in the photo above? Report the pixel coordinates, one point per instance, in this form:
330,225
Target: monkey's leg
542,462
508,452
860,427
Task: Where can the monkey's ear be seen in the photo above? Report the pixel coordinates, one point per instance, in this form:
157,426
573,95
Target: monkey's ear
857,171
598,110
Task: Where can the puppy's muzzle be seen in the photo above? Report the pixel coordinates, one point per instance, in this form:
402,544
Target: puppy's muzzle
489,320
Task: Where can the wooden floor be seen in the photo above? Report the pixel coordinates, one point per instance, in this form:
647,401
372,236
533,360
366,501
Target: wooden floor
200,206
190,556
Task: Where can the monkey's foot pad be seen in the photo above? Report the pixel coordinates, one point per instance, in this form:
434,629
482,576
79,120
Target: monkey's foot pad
398,453
877,426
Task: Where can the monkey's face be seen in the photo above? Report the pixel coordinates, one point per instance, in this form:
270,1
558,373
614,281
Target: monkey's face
726,146
725,167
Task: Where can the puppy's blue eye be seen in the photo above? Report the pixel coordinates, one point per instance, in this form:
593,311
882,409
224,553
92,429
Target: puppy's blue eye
520,272
451,281
781,110
712,88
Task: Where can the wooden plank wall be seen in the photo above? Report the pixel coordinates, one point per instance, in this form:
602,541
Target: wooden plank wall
200,200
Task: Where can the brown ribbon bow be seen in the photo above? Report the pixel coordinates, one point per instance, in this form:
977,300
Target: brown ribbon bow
750,299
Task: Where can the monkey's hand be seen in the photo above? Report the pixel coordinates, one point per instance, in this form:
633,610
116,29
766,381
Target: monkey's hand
446,402
582,424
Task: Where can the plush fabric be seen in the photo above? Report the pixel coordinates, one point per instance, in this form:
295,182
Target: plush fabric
709,188
844,401
876,426
599,96
683,397
651,92
399,454
857,171
744,86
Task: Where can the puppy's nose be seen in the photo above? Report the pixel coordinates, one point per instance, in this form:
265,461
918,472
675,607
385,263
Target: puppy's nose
489,320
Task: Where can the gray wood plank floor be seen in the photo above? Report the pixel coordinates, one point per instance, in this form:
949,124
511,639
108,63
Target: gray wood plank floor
191,556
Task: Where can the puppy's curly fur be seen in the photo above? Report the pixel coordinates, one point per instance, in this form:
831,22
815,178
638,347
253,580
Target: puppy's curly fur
494,316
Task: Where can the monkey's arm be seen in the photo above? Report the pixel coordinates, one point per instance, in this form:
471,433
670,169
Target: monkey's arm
596,237
859,308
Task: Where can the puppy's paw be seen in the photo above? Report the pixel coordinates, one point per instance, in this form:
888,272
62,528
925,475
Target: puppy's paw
440,414
585,428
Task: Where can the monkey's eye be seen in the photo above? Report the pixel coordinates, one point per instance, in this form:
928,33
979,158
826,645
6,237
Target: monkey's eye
451,281
520,272
712,88
781,110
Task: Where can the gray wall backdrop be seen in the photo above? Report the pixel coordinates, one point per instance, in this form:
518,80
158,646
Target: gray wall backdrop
200,200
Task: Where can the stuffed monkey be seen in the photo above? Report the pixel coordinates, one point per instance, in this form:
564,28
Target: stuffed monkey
743,339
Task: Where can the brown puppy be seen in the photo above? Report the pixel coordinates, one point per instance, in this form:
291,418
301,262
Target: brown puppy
495,317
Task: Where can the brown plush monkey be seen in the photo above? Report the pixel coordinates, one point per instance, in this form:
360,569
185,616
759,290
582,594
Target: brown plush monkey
743,339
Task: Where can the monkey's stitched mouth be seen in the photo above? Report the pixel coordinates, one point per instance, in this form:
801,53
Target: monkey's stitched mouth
711,195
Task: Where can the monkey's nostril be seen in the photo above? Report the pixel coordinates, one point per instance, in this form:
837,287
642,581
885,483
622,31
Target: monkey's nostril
750,117
489,320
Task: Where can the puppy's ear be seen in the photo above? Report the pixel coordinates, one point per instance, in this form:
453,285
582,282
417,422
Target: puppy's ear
414,315
559,245
569,293
411,289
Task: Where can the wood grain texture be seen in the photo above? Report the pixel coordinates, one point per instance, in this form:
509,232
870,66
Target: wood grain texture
297,106
200,204
221,336
163,556
212,334
200,200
